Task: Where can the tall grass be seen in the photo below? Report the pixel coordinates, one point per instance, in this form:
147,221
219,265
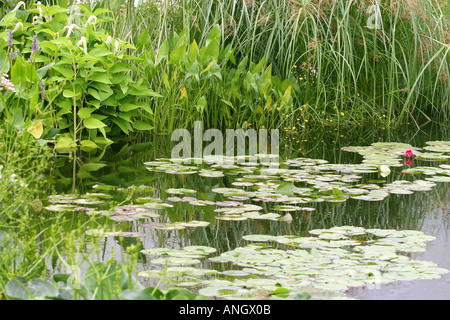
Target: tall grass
343,70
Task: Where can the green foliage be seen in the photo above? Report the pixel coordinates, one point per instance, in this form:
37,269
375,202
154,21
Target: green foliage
342,70
205,83
78,80
103,281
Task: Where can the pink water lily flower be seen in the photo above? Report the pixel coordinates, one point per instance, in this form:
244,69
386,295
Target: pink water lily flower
408,153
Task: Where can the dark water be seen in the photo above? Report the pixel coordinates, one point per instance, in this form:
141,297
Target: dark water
122,165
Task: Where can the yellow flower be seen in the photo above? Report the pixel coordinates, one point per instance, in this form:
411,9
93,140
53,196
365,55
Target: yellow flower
342,113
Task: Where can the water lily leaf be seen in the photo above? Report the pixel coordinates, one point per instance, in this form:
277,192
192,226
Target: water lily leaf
20,288
210,173
439,179
223,291
194,224
231,217
235,273
157,206
124,218
433,157
258,237
59,207
256,215
169,226
200,249
175,261
179,191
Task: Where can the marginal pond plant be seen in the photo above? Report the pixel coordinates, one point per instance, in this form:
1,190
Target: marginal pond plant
347,61
71,77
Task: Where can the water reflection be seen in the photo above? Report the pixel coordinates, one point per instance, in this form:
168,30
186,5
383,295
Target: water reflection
121,165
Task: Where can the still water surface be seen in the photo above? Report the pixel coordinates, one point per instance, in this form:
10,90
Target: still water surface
122,165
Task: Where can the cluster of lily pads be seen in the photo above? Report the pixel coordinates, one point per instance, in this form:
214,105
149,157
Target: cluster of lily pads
329,260
320,180
287,187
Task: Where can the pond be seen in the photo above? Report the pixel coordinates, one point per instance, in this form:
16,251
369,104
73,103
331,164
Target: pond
326,222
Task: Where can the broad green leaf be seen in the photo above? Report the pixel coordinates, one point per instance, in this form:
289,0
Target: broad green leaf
20,288
94,93
87,145
101,77
93,123
194,71
65,144
266,80
193,52
62,42
178,54
141,125
163,52
211,52
66,72
286,96
259,67
215,71
125,107
19,71
68,93
124,125
213,35
41,72
143,40
144,92
208,67
201,104
99,52
85,112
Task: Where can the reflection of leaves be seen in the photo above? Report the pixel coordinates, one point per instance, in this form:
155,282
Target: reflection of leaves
286,188
20,288
86,168
130,241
